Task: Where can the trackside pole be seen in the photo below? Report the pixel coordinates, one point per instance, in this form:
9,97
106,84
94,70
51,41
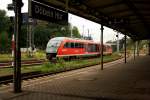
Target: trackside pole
17,55
102,46
13,47
149,48
125,53
117,42
138,42
134,49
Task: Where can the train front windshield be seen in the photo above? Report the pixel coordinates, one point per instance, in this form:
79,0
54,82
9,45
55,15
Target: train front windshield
54,43
52,46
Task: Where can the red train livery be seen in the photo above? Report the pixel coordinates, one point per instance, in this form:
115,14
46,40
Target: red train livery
71,47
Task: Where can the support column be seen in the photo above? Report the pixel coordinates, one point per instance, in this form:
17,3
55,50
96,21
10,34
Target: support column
102,28
134,49
27,42
138,42
117,42
149,48
30,37
125,49
17,58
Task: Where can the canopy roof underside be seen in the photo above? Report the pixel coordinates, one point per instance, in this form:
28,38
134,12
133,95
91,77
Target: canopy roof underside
131,17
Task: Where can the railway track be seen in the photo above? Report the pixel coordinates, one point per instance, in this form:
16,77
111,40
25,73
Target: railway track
8,64
9,78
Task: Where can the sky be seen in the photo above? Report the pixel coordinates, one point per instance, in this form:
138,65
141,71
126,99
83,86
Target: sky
83,25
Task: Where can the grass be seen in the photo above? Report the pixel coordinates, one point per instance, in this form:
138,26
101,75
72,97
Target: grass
40,55
7,71
61,65
24,56
5,57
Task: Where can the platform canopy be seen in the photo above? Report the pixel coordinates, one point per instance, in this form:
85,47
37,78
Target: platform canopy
131,17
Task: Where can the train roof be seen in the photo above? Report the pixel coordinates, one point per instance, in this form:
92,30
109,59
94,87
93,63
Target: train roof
68,38
75,39
58,38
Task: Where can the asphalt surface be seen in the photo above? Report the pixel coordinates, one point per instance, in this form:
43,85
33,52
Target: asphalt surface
118,81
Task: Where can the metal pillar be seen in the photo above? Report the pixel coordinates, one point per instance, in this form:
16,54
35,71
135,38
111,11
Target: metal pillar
134,49
30,37
17,58
27,44
66,8
149,48
83,32
117,42
102,46
71,35
138,42
28,29
125,49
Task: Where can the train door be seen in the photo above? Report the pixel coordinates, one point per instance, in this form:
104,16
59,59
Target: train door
86,47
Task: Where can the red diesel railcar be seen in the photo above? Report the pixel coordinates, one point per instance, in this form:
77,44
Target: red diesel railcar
70,47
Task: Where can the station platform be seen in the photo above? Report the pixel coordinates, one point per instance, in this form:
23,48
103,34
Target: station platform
118,81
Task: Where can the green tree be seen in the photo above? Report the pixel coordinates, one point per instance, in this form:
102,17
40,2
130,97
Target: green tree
41,36
75,32
5,43
59,30
5,40
44,31
4,21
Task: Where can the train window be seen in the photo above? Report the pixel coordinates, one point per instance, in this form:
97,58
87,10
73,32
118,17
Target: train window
85,46
82,45
92,48
76,45
72,45
97,48
67,45
89,48
79,45
104,48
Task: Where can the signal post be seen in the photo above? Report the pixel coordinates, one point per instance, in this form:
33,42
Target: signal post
125,49
17,53
102,28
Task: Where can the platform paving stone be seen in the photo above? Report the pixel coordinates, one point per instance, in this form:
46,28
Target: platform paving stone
121,81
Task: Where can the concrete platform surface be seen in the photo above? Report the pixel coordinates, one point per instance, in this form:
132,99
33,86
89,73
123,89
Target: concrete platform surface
118,81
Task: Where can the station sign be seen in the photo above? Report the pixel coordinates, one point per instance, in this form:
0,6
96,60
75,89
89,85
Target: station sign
45,12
